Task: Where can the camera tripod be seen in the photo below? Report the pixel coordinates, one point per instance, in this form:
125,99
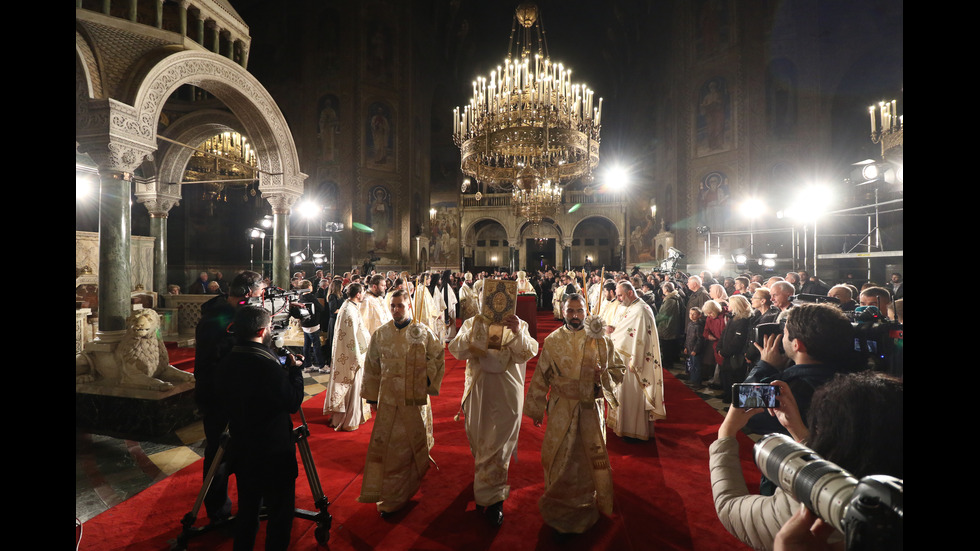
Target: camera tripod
322,517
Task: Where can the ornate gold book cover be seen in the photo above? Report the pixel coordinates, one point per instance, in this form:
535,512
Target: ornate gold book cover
499,299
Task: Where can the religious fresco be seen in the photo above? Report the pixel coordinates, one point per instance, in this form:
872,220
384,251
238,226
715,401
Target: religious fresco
380,218
444,234
328,27
641,239
714,27
379,48
714,201
379,137
328,127
714,117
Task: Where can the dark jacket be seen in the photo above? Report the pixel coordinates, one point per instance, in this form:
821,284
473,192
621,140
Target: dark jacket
694,342
734,337
670,319
213,342
802,379
258,395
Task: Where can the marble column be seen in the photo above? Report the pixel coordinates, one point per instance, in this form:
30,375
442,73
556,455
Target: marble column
213,43
158,229
159,14
199,28
280,247
115,286
182,17
244,59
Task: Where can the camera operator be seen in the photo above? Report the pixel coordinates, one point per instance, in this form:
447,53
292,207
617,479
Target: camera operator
259,394
213,342
856,422
816,344
308,311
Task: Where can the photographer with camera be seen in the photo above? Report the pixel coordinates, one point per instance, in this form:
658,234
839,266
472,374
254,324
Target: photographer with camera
259,390
816,342
213,342
855,421
309,312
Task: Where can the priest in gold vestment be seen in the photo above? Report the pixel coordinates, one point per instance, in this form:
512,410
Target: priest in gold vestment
469,298
580,367
405,364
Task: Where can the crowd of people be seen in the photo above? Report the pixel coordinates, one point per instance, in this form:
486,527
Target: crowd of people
382,337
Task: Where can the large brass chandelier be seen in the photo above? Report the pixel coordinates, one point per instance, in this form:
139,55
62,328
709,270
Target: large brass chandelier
529,128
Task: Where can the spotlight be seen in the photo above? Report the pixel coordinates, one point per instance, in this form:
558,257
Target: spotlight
740,259
616,179
870,172
308,209
768,261
256,233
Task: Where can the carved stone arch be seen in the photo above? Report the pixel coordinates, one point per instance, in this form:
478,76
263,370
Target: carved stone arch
280,179
88,81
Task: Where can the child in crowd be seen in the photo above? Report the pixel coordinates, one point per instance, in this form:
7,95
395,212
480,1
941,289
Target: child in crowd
694,346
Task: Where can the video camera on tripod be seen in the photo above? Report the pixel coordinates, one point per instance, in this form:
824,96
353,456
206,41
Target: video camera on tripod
868,511
276,300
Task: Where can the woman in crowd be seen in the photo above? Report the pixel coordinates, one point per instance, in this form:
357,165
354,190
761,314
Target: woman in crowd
855,421
716,314
734,340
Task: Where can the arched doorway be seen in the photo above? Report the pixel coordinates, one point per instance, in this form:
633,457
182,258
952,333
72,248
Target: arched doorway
491,247
596,239
540,244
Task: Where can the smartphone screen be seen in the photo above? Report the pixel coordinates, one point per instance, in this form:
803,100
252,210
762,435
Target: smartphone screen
754,395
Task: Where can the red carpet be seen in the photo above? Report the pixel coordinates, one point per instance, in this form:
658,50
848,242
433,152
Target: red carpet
662,501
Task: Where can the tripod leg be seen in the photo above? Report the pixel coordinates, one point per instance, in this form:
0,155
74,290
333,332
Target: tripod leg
322,518
188,521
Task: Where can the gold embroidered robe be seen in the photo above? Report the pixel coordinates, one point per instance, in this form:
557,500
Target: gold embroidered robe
400,376
577,480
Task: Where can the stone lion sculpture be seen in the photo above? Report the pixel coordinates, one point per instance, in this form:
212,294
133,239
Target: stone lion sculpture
140,359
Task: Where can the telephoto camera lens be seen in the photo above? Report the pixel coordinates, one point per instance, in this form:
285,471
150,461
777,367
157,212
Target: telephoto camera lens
820,485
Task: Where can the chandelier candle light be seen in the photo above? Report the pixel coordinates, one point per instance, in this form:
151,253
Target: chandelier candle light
529,128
